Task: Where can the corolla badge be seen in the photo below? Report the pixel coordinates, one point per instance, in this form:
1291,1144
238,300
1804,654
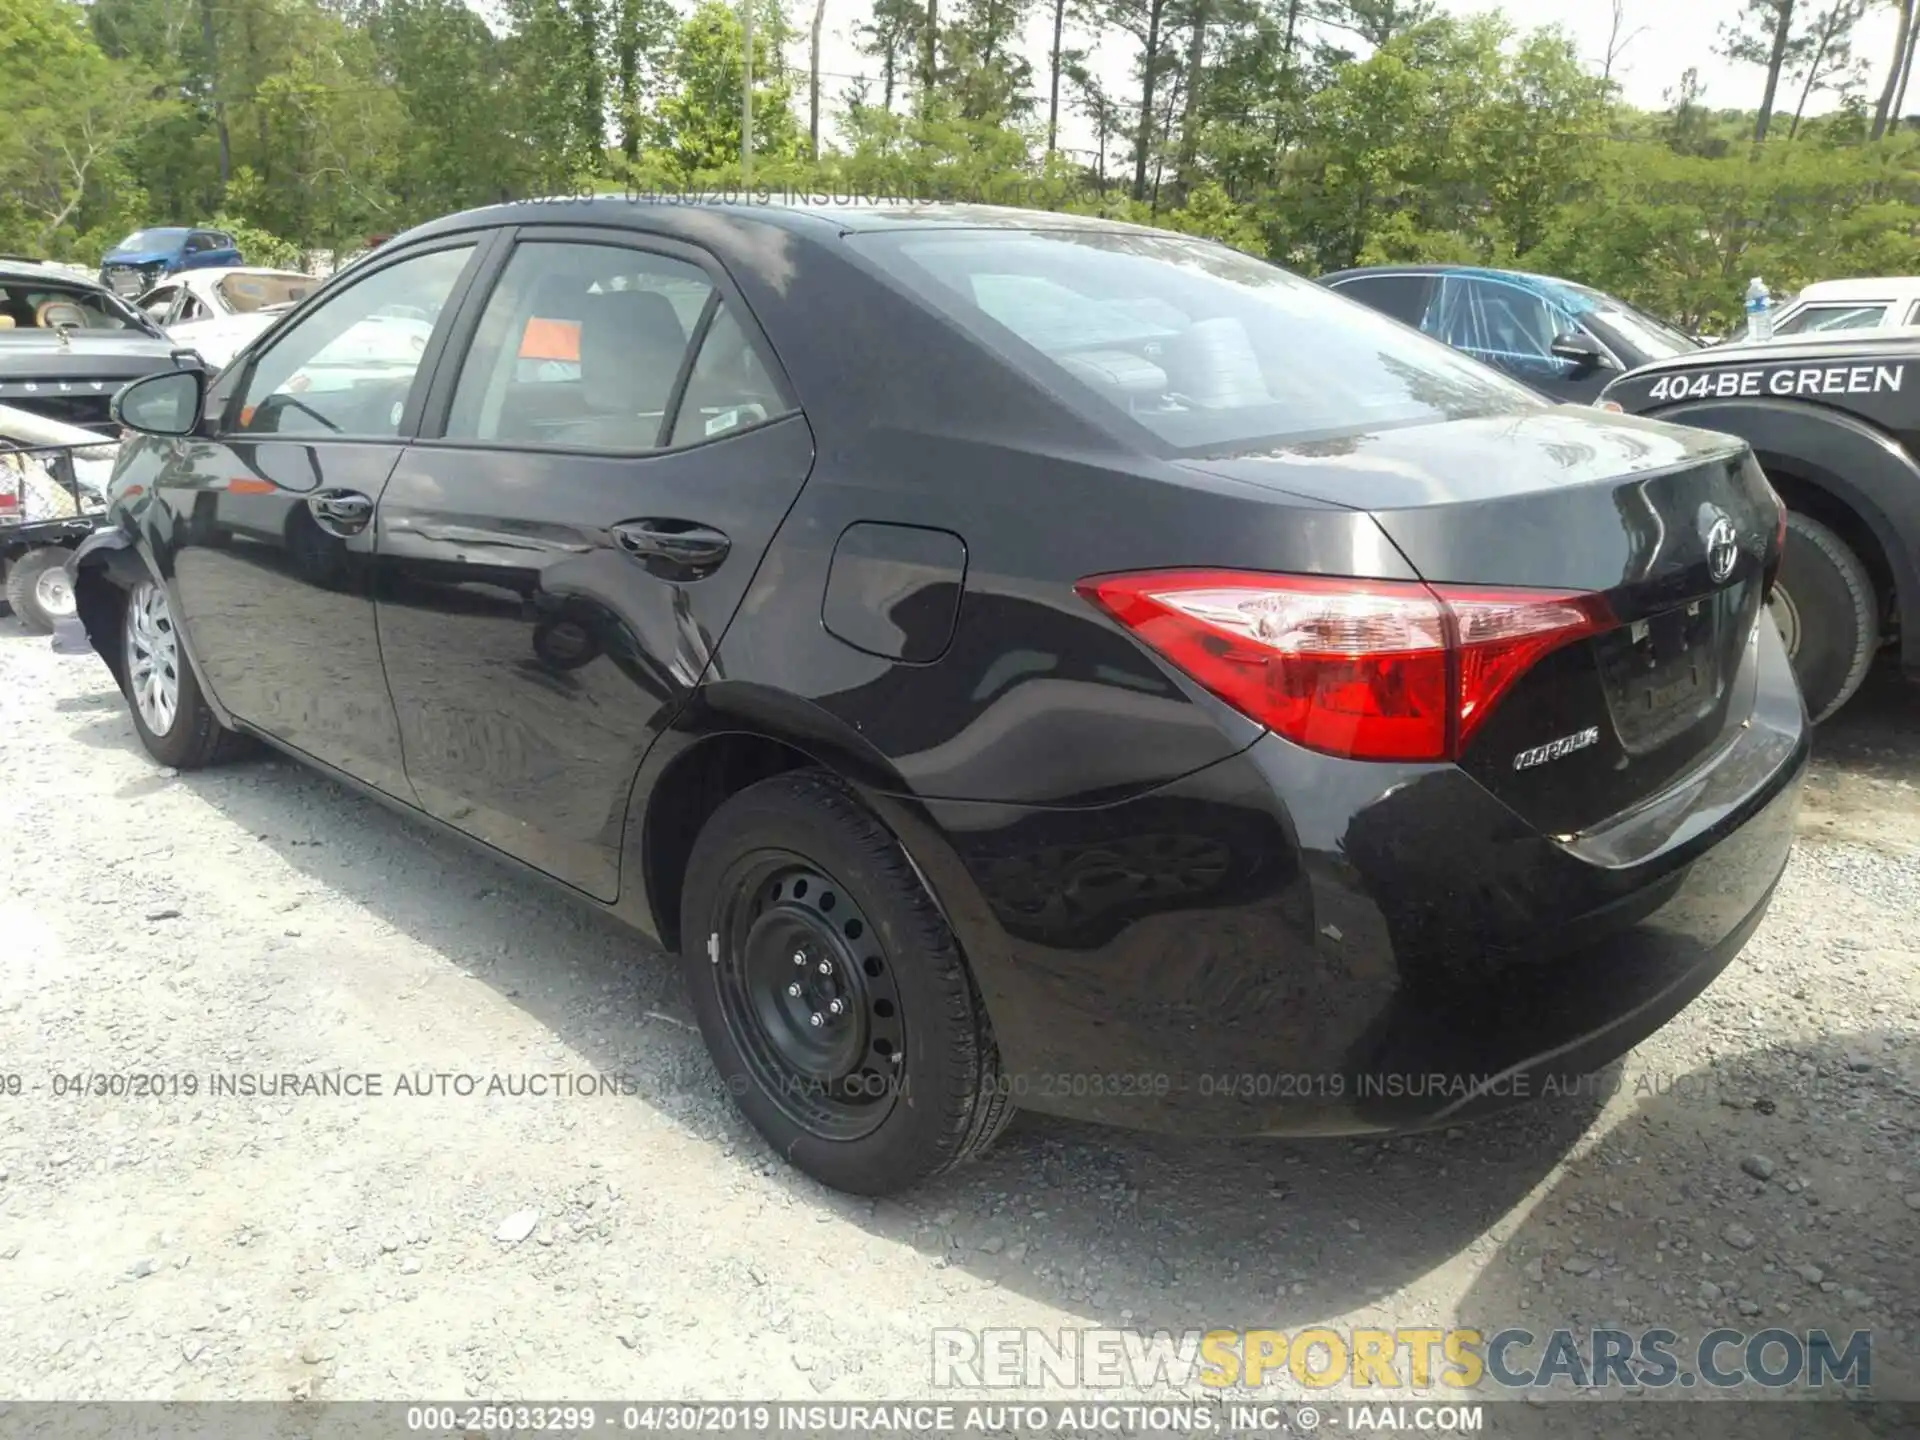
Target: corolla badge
1723,549
1555,749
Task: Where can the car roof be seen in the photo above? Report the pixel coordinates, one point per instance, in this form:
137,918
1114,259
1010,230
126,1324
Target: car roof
815,216
1525,277
20,267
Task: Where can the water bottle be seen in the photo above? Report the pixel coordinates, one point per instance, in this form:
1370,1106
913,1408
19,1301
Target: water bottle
1759,311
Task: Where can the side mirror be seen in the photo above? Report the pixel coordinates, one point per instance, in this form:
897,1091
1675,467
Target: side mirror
167,404
1584,355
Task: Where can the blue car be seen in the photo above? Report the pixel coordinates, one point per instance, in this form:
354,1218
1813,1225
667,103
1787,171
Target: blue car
140,261
1565,340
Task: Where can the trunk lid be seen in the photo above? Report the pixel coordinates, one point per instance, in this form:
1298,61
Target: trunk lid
1674,527
76,382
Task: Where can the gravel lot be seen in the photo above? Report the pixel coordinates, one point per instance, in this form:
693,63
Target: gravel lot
1758,1164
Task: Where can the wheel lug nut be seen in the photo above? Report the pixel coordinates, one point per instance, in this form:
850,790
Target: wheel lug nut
799,957
815,1019
794,989
836,1006
825,968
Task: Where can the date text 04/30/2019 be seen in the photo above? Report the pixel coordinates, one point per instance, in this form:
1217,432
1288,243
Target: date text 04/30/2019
913,1417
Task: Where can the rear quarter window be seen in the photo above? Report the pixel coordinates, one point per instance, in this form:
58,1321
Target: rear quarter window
1198,346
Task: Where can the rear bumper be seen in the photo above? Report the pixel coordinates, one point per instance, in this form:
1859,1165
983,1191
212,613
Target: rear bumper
1289,944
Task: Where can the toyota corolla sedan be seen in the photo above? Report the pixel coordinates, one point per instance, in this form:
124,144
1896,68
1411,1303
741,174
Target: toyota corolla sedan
1013,659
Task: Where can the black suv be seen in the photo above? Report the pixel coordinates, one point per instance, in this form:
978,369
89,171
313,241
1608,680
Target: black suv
67,343
1565,340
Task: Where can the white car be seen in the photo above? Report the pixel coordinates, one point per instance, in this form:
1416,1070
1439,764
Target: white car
200,307
219,340
1873,304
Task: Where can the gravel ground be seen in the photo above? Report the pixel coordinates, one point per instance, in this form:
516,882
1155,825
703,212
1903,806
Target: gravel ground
1759,1162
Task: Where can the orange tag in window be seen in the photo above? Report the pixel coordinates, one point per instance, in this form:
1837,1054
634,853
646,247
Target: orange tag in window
550,340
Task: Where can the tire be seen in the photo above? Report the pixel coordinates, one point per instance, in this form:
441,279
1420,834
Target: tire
38,590
792,867
1825,606
186,734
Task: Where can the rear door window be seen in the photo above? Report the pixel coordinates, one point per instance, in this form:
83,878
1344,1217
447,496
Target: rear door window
729,388
1404,297
580,346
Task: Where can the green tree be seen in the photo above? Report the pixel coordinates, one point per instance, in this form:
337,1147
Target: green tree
1763,35
697,123
74,114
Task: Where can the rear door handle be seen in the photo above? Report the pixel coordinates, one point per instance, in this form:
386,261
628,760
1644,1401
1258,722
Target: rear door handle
673,545
340,512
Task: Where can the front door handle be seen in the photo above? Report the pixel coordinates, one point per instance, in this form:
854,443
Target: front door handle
340,512
667,546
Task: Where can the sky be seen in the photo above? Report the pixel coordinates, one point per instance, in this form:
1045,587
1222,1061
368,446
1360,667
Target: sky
1676,34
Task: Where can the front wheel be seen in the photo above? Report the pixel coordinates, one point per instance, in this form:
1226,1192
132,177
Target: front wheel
1825,607
172,717
832,995
38,589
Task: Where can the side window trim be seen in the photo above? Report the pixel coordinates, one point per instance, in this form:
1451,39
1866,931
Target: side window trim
670,414
439,401
483,243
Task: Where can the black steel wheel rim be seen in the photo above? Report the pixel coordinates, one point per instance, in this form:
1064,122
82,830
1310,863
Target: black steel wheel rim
808,996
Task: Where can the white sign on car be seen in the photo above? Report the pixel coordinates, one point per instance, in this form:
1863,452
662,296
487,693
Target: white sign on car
1782,381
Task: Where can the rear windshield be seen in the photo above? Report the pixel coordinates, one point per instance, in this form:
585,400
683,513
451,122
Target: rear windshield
38,307
245,293
1201,345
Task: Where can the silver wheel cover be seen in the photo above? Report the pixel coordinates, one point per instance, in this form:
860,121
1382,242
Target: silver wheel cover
153,657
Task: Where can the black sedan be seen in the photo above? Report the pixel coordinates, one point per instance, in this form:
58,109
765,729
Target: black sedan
1015,660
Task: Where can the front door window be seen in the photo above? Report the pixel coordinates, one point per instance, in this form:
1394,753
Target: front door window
345,370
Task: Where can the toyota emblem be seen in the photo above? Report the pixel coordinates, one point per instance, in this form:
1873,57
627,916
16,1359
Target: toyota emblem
1723,549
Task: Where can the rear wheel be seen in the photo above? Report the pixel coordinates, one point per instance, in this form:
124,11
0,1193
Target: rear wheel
1827,613
831,993
173,718
38,589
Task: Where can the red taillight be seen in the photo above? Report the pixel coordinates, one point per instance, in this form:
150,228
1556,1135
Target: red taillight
1367,669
